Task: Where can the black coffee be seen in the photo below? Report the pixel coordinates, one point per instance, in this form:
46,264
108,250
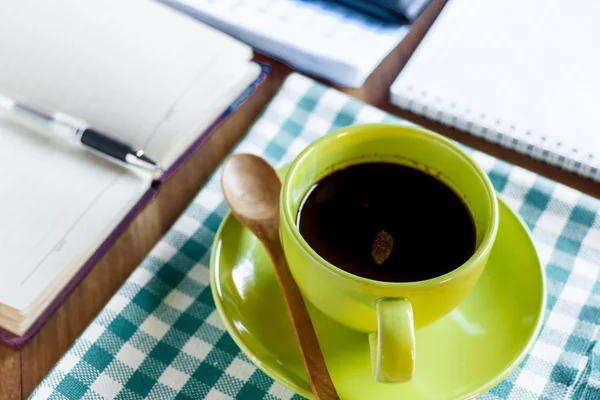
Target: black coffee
387,222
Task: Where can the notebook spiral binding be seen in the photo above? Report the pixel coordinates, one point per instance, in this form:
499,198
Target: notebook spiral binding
497,131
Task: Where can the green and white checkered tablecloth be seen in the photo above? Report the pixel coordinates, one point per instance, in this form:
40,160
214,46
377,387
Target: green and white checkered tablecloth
160,336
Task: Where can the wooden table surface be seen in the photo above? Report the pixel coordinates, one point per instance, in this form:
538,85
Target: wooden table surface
22,370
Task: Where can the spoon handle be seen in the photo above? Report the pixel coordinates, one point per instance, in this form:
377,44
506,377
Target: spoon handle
314,363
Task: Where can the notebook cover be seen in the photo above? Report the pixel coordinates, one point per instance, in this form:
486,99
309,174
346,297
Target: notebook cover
10,339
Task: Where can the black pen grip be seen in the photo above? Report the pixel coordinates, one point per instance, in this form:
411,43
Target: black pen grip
104,144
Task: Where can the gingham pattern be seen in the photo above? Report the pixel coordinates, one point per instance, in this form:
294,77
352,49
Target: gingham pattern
160,336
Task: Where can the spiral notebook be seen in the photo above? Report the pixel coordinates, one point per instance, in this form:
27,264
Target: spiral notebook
522,73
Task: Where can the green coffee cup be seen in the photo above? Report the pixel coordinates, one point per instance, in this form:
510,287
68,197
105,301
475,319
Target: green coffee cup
389,311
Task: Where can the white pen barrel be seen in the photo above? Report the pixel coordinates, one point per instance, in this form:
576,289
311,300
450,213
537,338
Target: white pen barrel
70,128
60,126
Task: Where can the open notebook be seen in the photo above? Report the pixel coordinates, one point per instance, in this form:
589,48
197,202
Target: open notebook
136,69
522,73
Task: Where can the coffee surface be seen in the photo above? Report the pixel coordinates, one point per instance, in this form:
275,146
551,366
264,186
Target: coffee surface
387,222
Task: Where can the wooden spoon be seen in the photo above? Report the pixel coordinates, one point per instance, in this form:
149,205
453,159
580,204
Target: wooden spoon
252,189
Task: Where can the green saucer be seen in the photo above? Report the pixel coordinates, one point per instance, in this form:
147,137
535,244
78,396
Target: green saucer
461,356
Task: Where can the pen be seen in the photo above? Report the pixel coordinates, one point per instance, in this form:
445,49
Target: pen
78,131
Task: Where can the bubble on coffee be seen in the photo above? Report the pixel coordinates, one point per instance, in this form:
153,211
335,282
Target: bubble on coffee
383,244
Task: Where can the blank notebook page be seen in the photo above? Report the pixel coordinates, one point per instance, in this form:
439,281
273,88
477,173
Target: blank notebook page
136,69
523,73
55,205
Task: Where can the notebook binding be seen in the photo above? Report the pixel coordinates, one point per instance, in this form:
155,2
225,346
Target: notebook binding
539,148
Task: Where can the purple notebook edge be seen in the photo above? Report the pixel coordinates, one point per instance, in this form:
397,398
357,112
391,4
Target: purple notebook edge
265,68
16,342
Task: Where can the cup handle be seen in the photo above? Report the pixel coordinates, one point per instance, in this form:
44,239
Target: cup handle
393,345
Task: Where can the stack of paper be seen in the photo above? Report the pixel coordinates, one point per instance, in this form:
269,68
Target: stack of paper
318,37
